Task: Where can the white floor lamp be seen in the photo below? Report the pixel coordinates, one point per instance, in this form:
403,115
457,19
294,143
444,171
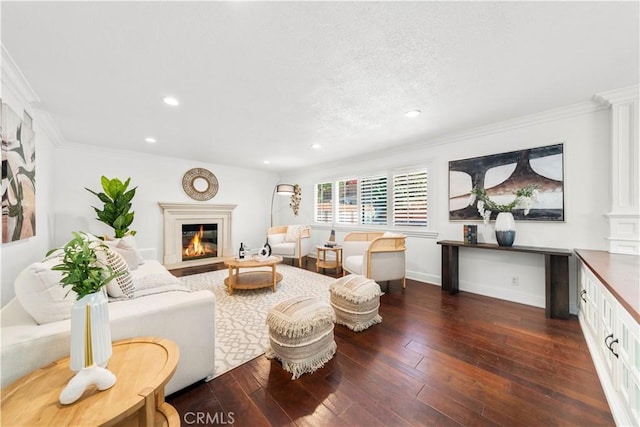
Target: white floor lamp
282,190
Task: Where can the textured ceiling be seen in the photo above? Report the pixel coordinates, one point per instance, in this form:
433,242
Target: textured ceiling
265,80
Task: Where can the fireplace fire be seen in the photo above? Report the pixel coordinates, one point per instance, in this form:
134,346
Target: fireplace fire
199,241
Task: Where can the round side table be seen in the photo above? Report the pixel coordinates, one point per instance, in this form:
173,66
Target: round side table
323,262
142,366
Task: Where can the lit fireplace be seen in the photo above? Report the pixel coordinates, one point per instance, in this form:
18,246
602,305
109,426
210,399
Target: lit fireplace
199,241
181,222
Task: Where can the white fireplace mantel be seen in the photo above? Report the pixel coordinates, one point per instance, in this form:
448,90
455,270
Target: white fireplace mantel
178,214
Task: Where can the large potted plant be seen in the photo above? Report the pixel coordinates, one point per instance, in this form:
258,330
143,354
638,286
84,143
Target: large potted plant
116,211
85,272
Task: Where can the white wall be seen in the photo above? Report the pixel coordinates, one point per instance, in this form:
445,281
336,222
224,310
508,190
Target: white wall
158,179
583,129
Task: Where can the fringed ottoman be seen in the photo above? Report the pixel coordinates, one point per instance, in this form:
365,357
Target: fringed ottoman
355,300
301,334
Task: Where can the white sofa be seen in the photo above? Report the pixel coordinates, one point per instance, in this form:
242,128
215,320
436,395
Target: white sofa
186,318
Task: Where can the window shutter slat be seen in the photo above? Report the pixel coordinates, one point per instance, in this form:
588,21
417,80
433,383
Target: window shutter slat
324,203
347,201
410,199
373,196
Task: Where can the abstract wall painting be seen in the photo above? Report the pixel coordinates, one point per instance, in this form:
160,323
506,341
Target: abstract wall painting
18,176
501,175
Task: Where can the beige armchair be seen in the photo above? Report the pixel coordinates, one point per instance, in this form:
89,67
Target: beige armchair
290,241
378,256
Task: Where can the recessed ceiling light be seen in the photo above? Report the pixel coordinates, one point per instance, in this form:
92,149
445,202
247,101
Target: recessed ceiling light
316,146
266,162
150,140
170,100
412,113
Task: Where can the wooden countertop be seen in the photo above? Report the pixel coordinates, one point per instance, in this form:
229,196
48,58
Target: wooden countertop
619,273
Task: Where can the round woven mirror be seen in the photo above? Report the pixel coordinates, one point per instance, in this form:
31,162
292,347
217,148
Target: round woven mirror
200,184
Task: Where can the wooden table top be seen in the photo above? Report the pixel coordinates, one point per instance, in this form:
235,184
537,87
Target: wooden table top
514,248
620,273
141,365
253,262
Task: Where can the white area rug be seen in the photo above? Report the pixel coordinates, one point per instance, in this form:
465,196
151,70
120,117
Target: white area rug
241,331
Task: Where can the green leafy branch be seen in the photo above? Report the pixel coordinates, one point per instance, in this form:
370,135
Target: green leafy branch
117,204
80,267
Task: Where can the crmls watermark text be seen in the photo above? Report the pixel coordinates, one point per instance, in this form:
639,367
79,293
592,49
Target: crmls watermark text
208,418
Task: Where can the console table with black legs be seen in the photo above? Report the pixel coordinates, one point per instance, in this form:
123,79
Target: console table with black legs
556,272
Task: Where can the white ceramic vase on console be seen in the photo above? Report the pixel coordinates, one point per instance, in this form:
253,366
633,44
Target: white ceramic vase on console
505,229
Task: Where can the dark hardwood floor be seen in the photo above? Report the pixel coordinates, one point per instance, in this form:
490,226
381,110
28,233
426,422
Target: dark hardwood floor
435,359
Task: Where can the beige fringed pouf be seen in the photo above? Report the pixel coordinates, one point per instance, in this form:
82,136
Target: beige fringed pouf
301,334
355,300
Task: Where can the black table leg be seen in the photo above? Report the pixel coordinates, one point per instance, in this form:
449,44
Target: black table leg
556,271
449,269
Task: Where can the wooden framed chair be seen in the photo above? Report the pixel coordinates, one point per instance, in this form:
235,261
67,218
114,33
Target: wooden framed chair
378,256
290,241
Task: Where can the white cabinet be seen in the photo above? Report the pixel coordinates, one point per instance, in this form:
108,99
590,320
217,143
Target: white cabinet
607,336
629,363
588,310
613,337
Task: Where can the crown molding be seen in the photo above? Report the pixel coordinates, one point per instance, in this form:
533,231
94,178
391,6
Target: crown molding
617,96
572,110
46,123
585,107
13,78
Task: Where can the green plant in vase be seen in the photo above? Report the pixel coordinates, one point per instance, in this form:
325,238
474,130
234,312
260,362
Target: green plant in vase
81,269
116,212
90,346
524,198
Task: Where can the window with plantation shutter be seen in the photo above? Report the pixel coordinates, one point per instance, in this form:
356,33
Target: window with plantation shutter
379,201
410,198
324,202
348,202
373,200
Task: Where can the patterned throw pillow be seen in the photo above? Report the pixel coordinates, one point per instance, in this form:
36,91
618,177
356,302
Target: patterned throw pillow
122,286
126,247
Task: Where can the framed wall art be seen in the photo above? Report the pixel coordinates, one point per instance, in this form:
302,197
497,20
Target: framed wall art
18,176
501,175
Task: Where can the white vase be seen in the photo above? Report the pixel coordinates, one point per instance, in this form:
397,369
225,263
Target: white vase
90,347
90,332
505,229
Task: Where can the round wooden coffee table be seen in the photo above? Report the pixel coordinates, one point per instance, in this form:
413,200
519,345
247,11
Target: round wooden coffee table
142,367
252,279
